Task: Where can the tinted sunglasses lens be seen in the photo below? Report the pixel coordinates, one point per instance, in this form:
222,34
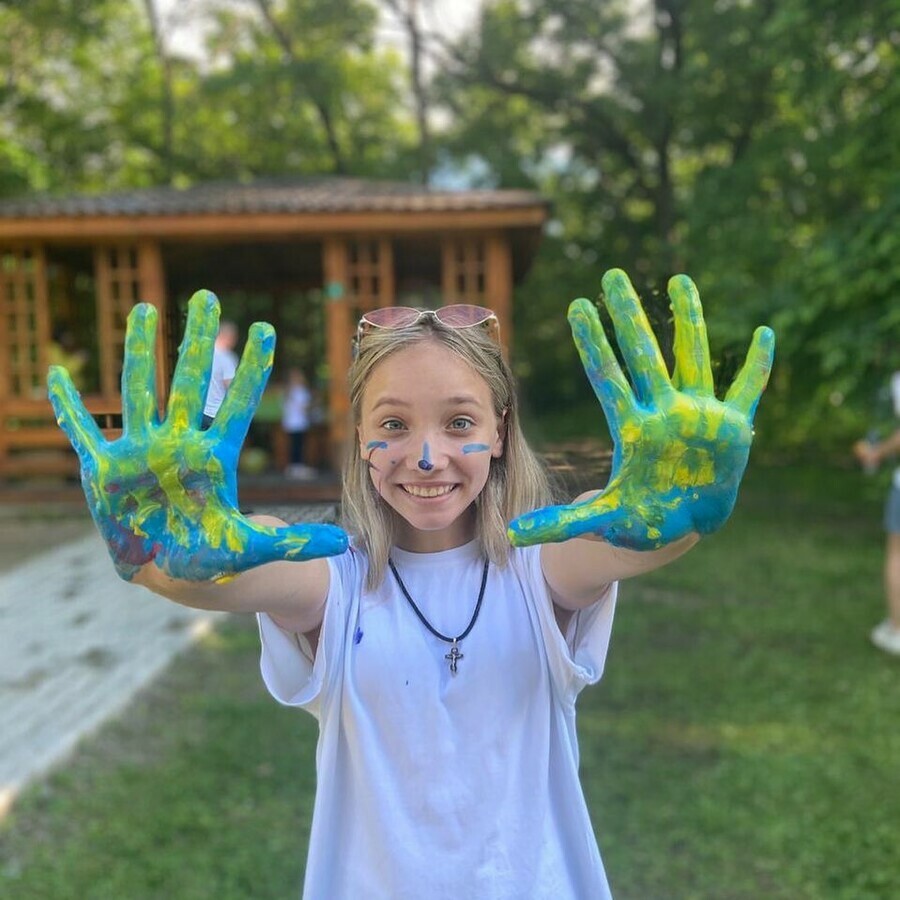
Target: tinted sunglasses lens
462,315
391,317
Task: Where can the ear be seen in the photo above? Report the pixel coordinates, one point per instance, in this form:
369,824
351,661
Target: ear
497,449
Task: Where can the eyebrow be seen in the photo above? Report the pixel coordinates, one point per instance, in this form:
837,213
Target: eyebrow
458,400
388,401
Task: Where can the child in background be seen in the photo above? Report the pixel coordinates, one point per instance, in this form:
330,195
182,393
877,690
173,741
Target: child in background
295,413
224,366
872,453
440,645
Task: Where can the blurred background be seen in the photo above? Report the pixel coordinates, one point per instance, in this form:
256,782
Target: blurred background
744,741
752,144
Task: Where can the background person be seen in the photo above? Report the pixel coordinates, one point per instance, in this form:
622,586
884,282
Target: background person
296,405
871,453
224,366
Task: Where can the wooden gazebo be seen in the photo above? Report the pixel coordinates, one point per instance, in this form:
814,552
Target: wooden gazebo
343,245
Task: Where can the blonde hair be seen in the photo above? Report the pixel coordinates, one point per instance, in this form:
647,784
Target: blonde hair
517,481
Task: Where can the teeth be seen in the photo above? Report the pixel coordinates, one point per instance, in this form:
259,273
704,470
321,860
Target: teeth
421,490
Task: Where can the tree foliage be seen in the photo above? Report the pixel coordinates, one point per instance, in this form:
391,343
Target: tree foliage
751,143
747,143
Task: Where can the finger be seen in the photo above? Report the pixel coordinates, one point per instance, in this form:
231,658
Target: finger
751,381
139,409
693,373
600,364
553,524
301,542
191,379
604,516
235,545
635,337
78,424
233,419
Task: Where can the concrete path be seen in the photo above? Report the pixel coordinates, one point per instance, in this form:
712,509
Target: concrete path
77,642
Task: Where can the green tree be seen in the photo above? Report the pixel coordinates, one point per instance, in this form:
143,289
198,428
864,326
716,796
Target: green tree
747,143
296,87
62,92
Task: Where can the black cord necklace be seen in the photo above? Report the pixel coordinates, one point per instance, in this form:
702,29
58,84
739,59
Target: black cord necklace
454,656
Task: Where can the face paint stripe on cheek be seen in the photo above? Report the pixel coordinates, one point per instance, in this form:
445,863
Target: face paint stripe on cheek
475,448
371,447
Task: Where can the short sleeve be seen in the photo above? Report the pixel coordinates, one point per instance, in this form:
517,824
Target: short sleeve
292,674
576,659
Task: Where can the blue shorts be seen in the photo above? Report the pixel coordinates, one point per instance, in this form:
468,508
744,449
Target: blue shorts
892,511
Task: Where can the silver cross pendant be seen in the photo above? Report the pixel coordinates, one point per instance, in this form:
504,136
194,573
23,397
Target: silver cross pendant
454,656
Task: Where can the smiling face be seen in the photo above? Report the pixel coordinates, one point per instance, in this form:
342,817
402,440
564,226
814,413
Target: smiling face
429,431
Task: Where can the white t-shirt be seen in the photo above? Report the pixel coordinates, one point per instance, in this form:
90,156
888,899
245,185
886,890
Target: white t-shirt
295,408
435,785
223,368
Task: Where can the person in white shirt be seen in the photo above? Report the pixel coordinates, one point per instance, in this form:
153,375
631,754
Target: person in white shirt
886,635
440,645
224,366
295,410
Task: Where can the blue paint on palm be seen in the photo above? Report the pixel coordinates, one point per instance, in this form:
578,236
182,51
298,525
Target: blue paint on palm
165,492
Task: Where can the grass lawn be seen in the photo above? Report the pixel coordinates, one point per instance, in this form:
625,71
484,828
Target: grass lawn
743,743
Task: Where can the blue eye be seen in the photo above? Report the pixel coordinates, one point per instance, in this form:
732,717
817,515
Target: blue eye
392,425
461,424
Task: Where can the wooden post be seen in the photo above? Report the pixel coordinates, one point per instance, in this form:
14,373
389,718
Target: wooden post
499,283
387,287
152,289
338,337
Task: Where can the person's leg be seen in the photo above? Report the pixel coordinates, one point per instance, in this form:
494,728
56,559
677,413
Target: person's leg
892,579
298,437
296,447
886,636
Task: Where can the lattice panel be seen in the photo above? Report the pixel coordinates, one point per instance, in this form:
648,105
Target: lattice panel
23,322
464,276
118,289
369,274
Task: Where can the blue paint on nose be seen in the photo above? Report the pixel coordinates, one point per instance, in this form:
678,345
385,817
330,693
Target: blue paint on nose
425,463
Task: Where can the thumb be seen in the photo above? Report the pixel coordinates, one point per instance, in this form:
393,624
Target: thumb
295,543
553,524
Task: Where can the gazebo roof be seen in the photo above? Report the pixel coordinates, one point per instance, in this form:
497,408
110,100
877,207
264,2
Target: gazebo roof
293,196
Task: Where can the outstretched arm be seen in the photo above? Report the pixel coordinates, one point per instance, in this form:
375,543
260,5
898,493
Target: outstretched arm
679,453
164,494
876,452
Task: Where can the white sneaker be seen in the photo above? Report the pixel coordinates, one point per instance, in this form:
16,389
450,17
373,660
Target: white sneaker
886,637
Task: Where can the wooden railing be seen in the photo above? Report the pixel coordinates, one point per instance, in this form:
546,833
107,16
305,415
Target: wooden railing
31,442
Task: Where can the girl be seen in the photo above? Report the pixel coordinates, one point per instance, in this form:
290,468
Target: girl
295,408
442,663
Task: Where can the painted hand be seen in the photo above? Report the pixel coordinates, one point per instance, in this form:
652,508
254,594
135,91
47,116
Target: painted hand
165,492
679,453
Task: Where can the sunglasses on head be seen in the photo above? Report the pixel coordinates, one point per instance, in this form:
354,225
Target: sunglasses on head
460,315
